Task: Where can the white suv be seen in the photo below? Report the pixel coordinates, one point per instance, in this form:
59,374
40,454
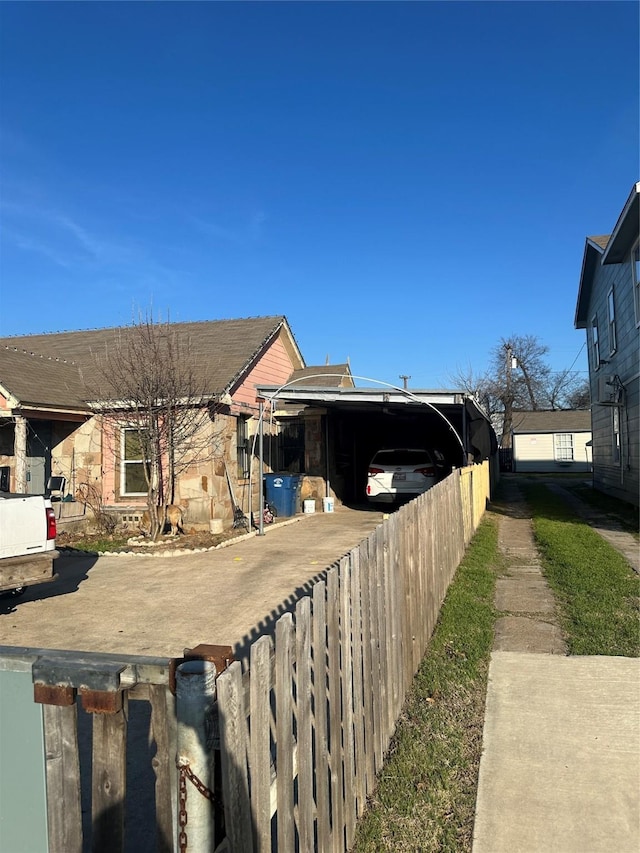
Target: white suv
396,473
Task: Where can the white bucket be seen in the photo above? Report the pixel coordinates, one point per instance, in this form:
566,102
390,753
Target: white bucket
308,506
215,525
327,504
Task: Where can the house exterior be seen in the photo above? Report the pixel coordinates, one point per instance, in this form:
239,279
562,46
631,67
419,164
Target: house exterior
551,442
608,308
52,422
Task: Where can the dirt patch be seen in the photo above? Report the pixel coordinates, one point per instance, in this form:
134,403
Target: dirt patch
133,543
190,540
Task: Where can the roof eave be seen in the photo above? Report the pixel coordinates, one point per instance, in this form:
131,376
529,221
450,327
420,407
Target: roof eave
592,253
626,230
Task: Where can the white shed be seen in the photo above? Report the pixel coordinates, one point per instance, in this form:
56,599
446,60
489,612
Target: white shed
548,442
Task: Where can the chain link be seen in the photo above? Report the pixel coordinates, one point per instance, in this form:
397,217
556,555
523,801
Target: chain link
182,814
187,773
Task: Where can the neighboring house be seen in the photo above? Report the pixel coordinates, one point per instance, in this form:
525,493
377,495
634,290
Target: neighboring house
548,442
608,308
49,426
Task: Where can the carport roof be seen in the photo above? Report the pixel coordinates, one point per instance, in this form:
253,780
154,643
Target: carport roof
366,398
478,436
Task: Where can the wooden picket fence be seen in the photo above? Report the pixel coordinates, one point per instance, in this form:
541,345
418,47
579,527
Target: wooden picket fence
303,730
306,728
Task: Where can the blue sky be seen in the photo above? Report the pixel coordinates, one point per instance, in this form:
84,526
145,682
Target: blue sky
406,182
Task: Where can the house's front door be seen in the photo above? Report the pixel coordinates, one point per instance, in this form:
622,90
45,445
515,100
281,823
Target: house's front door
38,456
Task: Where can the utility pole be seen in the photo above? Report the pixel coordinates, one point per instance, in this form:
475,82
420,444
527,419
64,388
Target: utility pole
405,379
508,398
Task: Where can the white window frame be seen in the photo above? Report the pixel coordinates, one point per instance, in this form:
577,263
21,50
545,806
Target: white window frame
126,462
635,273
611,320
563,446
595,342
616,452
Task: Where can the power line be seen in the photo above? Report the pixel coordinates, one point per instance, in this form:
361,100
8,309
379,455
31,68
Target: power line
584,343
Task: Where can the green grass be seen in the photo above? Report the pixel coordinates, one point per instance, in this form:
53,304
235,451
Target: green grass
625,513
426,793
596,590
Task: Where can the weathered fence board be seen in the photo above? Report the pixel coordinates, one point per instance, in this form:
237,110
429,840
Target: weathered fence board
304,708
164,735
360,780
64,813
260,746
348,738
232,720
323,803
109,766
335,710
284,733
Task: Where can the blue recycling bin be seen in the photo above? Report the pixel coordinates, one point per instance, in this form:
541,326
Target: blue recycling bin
283,492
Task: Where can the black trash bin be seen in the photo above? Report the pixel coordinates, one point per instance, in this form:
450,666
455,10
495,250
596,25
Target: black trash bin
283,492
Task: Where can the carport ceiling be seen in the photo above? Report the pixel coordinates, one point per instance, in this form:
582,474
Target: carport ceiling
384,401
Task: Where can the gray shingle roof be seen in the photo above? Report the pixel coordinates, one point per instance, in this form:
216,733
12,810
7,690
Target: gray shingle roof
325,375
41,380
574,420
61,369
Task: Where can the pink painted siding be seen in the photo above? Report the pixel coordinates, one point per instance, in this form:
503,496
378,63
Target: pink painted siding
274,367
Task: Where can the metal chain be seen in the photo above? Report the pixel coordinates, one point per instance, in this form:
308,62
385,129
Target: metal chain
187,773
182,814
199,785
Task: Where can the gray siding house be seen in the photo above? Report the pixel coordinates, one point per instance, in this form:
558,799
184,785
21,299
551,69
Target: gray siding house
608,308
552,442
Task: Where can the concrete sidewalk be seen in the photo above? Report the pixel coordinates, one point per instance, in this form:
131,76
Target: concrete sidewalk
560,769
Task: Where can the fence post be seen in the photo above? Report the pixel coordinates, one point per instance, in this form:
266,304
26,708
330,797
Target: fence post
195,696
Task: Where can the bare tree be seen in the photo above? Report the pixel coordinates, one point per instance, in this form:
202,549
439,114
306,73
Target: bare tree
518,377
148,384
568,390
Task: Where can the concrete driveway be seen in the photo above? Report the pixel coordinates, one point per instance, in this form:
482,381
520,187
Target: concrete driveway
159,606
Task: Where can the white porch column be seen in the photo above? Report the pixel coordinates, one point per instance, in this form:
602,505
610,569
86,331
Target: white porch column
20,453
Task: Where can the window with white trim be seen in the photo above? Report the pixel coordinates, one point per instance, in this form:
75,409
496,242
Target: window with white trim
611,316
595,343
635,272
615,435
563,442
132,463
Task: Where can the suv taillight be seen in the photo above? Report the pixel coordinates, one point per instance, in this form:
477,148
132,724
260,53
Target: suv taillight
426,472
372,471
51,523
